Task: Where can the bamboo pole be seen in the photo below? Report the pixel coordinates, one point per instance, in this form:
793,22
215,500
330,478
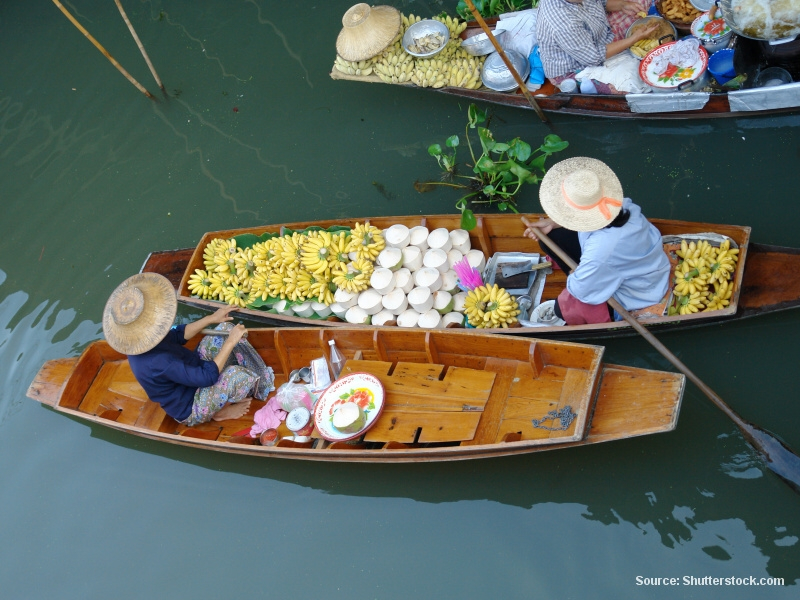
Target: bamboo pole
103,50
525,91
141,47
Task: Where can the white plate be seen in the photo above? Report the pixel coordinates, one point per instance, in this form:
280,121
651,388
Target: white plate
364,384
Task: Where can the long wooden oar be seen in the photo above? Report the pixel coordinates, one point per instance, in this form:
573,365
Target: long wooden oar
141,47
525,91
97,45
778,457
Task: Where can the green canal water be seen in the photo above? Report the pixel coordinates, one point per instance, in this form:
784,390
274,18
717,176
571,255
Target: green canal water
94,176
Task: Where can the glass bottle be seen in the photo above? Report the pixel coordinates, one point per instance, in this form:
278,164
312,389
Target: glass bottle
337,360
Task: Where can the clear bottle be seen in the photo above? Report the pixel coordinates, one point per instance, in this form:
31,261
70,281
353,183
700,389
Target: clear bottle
337,360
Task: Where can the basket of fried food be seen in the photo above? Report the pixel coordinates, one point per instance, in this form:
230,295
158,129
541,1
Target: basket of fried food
680,13
666,32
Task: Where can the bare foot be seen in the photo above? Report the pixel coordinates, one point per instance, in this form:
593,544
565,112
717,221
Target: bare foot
232,411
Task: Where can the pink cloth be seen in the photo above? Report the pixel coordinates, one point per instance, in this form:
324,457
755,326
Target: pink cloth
268,416
621,21
576,312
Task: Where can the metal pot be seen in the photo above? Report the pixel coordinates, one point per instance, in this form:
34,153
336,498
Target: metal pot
713,34
669,37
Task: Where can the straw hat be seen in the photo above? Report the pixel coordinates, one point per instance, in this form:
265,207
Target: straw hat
581,194
139,313
367,31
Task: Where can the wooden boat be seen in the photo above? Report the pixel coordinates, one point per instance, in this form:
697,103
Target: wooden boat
447,396
760,282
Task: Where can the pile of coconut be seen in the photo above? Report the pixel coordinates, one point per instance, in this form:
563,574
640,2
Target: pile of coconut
413,283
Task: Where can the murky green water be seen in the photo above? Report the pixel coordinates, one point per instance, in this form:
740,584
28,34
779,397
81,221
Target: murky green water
95,176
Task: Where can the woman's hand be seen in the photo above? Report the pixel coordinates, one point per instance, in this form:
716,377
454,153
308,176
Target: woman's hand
546,225
645,32
626,6
236,334
222,315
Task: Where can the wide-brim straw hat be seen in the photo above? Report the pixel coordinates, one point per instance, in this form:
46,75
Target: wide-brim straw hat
139,313
367,31
581,194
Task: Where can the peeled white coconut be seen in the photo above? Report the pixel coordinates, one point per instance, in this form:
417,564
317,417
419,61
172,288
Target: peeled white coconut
430,319
382,281
442,302
390,258
345,299
349,418
370,301
412,258
322,309
436,259
408,318
303,309
460,240
420,299
428,277
418,236
450,282
397,236
458,301
357,315
454,256
456,318
352,255
338,310
283,308
383,317
476,259
395,301
440,238
404,280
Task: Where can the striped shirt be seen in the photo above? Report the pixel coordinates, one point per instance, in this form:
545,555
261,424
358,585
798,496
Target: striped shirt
572,36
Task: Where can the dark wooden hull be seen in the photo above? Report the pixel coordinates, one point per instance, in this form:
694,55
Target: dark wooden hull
448,396
760,282
550,100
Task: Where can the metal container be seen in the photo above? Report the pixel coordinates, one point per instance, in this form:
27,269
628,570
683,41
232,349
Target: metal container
659,83
661,39
421,29
496,76
714,34
480,45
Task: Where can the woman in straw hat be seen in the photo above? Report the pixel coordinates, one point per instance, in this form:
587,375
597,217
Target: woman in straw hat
618,251
214,382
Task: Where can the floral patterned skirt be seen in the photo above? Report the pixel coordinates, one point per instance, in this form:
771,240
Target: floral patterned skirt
244,375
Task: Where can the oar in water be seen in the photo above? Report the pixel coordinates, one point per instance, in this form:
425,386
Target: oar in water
511,69
778,457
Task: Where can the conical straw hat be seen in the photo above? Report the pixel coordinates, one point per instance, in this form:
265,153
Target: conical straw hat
367,31
581,194
139,313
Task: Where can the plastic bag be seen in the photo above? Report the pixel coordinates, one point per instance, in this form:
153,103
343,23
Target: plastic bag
294,395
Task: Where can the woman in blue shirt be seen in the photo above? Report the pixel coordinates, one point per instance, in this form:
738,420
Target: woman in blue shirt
216,381
619,252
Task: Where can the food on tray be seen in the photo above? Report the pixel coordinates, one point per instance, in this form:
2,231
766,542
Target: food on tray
681,11
645,45
767,19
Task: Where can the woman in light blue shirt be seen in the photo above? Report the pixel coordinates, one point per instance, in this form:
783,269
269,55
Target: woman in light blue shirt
618,251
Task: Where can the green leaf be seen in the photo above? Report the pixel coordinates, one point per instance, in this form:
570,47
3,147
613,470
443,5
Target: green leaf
435,150
502,205
468,220
488,191
451,142
259,303
538,162
487,141
475,115
246,240
553,143
520,171
500,147
520,150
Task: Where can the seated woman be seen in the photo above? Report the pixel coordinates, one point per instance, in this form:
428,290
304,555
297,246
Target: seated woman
618,251
576,34
215,382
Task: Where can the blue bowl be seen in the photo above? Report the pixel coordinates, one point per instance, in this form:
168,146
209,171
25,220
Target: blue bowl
720,65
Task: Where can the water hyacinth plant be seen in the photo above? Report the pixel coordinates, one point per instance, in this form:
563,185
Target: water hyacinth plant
498,172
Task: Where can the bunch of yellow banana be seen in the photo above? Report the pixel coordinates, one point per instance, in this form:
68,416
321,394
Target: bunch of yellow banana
292,249
695,250
245,263
490,306
691,276
644,46
338,258
408,21
366,241
394,64
721,296
210,252
692,303
236,295
465,71
355,276
316,251
316,285
217,287
349,67
453,24
723,262
200,284
294,289
431,72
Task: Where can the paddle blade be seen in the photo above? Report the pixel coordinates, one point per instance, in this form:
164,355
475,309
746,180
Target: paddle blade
779,458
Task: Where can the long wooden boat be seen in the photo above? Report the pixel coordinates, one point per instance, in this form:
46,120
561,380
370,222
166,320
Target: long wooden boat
760,282
446,396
